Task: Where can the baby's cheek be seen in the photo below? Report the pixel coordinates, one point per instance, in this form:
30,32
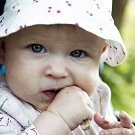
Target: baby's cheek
92,89
90,86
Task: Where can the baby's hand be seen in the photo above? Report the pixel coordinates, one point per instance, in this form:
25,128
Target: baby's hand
70,108
124,127
73,105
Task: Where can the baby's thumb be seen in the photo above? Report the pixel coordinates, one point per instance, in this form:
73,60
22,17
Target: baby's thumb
101,121
125,120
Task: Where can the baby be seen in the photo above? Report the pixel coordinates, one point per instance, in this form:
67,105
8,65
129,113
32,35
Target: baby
51,51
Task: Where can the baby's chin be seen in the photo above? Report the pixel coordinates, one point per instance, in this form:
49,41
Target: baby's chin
42,106
48,96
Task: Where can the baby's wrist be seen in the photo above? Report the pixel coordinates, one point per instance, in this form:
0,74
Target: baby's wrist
52,124
59,119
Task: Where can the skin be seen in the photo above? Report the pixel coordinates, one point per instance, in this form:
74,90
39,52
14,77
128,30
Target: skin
45,69
124,127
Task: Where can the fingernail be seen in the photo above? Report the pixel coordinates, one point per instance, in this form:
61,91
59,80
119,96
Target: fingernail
98,114
123,114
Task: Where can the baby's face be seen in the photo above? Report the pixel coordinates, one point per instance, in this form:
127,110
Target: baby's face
41,60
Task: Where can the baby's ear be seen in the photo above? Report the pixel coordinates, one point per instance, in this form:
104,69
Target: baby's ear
2,51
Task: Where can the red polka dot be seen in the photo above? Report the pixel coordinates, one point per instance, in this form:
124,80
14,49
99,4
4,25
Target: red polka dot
50,7
58,11
69,5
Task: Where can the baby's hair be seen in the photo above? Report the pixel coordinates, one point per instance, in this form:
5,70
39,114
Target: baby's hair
2,3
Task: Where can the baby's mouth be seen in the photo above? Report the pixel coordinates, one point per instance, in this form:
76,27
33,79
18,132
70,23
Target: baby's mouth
50,94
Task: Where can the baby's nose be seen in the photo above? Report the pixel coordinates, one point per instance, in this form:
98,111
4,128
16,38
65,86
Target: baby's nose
56,71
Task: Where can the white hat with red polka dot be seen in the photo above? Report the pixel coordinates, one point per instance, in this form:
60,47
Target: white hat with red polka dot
92,15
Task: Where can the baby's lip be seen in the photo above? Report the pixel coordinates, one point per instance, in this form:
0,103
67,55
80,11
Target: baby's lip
51,93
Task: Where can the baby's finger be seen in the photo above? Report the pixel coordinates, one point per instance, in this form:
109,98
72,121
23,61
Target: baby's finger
126,120
88,100
118,131
104,123
86,123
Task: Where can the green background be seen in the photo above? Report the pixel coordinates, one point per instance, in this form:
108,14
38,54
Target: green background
121,79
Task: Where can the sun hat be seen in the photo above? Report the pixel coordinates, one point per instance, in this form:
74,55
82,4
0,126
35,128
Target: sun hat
92,15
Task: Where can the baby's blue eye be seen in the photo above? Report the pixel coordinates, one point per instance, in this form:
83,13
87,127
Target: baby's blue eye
78,53
37,48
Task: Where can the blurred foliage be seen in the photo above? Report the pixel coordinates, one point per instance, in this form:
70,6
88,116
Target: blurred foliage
121,79
118,9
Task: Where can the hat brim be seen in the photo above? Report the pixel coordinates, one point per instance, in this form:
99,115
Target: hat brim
101,24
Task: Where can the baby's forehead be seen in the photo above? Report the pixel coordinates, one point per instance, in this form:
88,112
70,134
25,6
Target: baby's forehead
69,36
57,30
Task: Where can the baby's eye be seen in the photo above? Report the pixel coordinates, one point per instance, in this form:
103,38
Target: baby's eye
37,48
78,53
